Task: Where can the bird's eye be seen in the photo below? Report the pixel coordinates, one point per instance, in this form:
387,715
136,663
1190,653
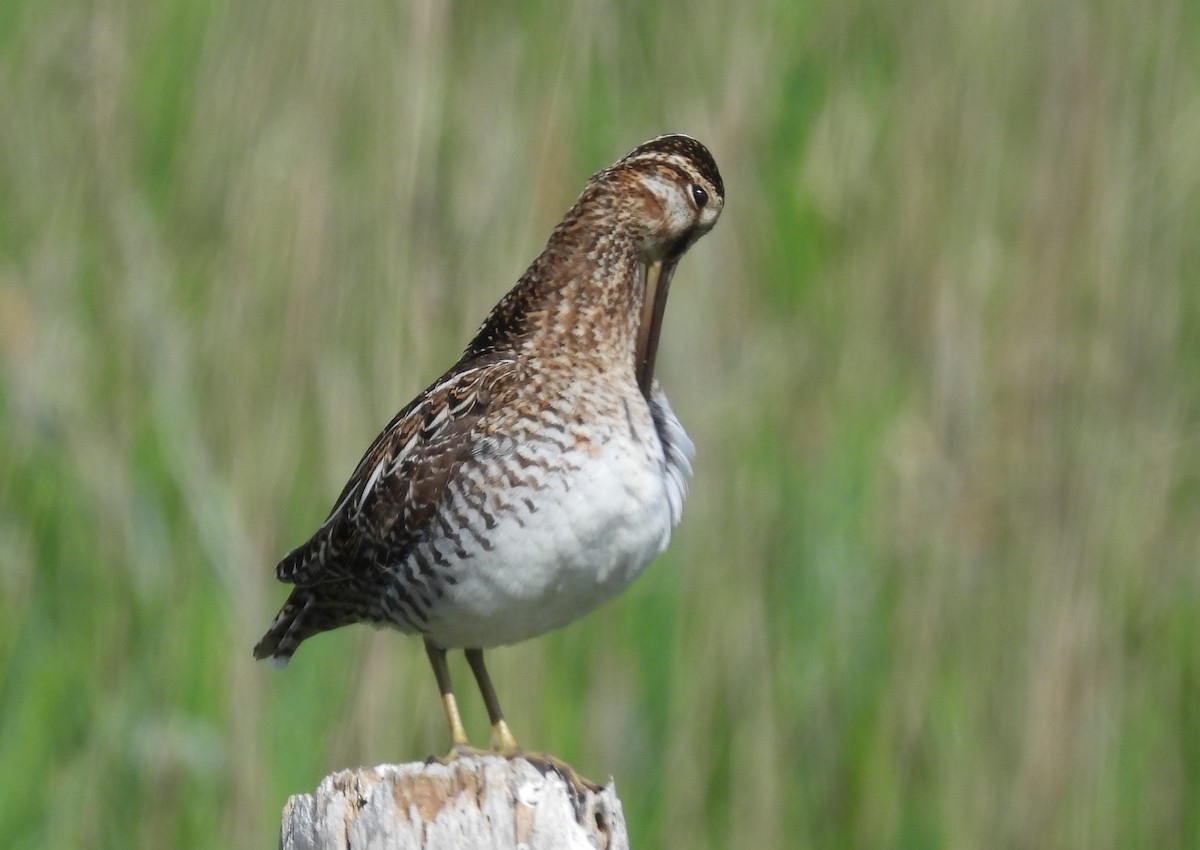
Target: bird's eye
699,196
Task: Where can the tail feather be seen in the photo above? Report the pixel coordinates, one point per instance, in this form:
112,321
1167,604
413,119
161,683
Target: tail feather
307,612
289,628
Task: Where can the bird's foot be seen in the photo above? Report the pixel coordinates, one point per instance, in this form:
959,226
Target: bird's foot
508,749
458,751
547,764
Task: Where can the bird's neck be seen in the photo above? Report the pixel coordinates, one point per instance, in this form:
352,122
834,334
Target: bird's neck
581,299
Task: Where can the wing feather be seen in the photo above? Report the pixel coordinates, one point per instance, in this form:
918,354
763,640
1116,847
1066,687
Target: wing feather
391,500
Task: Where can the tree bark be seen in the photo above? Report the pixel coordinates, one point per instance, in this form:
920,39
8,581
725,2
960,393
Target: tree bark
474,802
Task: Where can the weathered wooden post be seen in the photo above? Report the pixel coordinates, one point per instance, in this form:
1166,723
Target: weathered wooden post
483,801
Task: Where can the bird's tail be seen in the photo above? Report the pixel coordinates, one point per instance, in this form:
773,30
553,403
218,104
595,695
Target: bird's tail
290,627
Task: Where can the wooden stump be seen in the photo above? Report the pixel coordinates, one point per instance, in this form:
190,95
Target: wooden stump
474,802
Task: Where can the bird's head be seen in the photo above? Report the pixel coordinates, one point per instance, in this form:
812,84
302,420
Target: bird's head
668,193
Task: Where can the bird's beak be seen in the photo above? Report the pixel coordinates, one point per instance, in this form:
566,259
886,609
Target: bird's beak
657,275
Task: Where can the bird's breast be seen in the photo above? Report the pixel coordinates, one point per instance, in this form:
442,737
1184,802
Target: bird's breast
556,517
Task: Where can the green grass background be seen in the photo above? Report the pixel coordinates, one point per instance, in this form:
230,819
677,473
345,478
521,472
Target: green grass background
937,581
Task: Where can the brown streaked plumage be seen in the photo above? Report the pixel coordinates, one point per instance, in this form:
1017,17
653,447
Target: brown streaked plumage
544,471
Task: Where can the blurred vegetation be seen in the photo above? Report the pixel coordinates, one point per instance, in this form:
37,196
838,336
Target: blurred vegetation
937,583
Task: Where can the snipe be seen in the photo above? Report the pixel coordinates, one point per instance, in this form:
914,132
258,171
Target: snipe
544,471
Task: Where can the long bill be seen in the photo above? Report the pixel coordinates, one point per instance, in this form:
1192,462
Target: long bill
658,276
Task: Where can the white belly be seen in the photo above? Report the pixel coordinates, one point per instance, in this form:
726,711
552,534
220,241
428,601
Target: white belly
589,535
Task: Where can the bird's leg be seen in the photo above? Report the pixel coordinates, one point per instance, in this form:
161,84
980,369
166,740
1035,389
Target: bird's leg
502,738
458,733
503,741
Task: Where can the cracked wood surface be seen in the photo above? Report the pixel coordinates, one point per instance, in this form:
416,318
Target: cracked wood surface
481,801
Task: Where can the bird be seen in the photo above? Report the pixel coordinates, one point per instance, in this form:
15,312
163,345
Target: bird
545,470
